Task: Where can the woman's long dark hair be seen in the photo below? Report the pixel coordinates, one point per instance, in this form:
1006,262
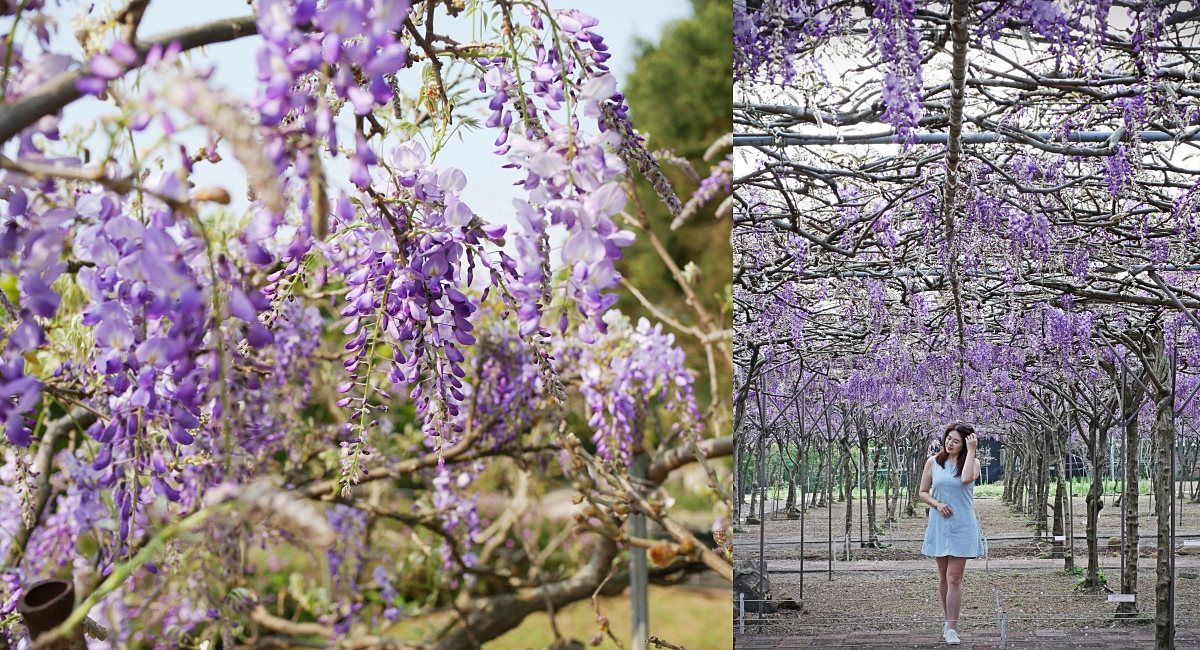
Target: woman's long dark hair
963,430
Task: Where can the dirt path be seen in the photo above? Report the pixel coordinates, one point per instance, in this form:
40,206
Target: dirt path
906,601
1008,533
1047,639
1183,565
887,597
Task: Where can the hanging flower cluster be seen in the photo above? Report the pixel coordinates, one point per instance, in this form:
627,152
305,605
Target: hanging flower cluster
624,373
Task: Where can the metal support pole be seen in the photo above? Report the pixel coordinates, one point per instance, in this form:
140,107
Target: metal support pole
1070,507
1174,438
1150,501
858,478
1174,576
742,612
1112,460
762,530
1001,619
638,574
762,500
829,503
1124,461
803,506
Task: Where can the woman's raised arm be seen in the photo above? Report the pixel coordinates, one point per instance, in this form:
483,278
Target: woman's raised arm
971,470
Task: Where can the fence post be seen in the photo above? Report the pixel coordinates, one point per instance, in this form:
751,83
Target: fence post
1001,619
742,613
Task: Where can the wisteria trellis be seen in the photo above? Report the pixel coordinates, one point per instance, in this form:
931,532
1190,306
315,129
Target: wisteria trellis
164,355
1023,284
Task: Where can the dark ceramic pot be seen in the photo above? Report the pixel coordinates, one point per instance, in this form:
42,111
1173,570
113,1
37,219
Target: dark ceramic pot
44,605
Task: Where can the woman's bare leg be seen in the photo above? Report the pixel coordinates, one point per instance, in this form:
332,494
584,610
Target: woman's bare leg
955,566
942,562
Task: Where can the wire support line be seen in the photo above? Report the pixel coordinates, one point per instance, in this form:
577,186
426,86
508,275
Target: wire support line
882,540
1013,625
1046,137
982,621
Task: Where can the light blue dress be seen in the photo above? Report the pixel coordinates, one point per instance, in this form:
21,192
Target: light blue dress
956,535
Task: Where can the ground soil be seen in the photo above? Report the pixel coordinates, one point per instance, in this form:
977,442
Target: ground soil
888,598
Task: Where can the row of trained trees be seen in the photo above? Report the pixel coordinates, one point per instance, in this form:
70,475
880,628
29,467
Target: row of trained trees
801,448
974,211
801,469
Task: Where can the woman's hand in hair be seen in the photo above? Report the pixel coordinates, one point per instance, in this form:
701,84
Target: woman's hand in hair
972,441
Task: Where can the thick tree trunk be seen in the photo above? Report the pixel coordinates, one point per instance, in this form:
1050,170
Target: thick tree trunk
893,482
1041,492
890,489
1190,472
1129,503
1032,488
1045,511
1148,461
872,499
1021,467
1064,494
739,488
1034,484
755,489
831,473
1164,439
493,616
1059,526
844,472
1177,479
959,35
802,463
790,503
1161,379
914,481
1020,472
819,489
1095,501
779,477
1009,458
847,487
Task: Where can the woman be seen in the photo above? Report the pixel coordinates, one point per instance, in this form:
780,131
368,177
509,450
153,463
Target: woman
953,533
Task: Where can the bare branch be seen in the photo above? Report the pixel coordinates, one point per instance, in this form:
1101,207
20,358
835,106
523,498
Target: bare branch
52,96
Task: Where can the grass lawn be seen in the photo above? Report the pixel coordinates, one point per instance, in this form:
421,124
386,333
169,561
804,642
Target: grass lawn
697,619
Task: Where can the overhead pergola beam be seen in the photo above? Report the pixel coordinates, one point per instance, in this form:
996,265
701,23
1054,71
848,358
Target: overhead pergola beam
1048,137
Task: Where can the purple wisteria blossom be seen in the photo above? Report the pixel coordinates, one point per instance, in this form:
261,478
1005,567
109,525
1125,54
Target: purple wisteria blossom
170,347
624,374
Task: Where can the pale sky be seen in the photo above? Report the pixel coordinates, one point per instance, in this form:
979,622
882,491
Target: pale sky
489,190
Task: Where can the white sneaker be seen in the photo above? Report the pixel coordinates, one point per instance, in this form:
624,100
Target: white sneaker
951,636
